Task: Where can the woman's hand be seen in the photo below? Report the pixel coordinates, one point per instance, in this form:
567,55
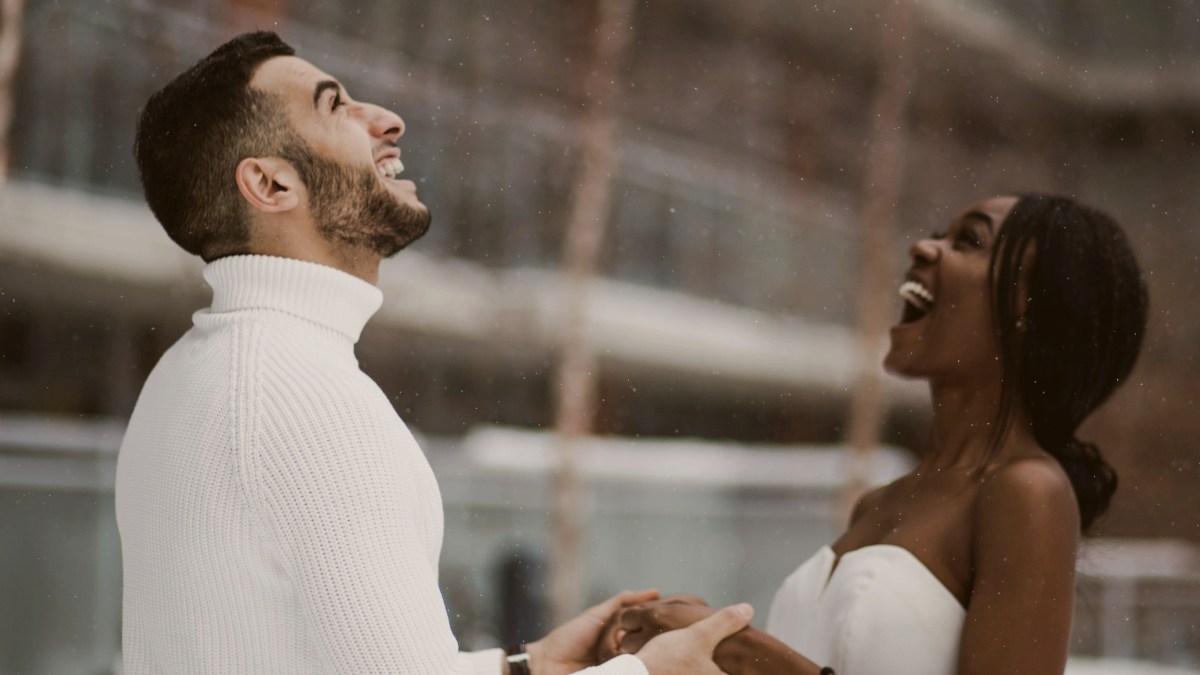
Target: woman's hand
746,651
571,647
633,626
689,651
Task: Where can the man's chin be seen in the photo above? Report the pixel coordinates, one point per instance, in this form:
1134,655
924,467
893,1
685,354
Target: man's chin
404,193
363,210
409,228
401,188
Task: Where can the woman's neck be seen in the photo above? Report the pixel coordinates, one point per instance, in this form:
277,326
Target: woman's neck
964,418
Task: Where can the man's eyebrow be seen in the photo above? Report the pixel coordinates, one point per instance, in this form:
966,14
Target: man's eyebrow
322,86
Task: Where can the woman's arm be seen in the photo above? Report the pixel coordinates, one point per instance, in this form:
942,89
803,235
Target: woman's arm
1025,534
748,652
756,652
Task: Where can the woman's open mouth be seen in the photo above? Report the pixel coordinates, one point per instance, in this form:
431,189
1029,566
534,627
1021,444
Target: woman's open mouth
918,301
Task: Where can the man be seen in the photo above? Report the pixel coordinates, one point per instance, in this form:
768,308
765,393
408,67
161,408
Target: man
276,515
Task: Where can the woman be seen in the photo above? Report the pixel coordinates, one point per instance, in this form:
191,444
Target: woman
1024,316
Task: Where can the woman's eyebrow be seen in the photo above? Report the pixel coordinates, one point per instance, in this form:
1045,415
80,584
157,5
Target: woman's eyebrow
978,215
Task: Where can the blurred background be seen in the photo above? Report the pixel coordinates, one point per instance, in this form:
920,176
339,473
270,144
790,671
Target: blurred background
640,343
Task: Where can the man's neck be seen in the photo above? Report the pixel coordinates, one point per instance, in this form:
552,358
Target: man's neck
362,264
314,248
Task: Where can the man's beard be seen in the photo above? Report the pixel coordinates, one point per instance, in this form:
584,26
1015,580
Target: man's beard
351,206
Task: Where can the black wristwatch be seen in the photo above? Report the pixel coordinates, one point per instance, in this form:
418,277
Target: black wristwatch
518,660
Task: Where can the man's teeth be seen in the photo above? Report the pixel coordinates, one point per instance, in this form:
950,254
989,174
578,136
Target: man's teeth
390,168
915,292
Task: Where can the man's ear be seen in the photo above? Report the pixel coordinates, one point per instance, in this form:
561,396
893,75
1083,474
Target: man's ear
268,184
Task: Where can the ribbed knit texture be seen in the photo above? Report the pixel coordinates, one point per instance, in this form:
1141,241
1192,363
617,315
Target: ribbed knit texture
276,515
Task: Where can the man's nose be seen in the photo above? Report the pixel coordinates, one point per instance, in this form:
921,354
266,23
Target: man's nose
384,123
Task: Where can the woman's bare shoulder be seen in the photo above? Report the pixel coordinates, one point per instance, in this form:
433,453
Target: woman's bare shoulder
873,499
1030,476
1026,494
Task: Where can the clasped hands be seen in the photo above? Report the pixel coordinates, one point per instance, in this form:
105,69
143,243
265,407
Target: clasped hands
630,628
675,635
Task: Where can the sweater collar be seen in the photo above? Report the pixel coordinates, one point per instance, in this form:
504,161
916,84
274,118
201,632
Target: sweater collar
323,295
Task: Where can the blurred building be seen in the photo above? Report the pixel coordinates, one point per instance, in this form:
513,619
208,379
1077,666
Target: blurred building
729,272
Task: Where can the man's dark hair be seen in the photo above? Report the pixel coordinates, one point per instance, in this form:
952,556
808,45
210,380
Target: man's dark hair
193,132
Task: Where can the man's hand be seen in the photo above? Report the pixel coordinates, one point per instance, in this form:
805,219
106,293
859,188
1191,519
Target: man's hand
689,651
744,650
572,646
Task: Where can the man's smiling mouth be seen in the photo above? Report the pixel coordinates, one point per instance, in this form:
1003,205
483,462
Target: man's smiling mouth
390,167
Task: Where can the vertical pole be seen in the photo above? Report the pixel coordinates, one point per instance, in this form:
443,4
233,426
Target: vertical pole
882,183
577,373
246,15
1118,618
10,54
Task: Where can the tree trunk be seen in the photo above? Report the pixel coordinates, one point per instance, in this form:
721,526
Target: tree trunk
882,183
10,54
577,375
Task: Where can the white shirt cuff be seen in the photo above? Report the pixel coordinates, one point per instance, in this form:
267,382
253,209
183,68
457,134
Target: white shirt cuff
625,664
486,662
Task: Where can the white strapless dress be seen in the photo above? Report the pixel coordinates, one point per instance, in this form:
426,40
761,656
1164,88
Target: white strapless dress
880,612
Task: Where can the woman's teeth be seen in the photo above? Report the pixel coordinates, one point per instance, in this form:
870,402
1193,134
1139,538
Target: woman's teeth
915,293
390,168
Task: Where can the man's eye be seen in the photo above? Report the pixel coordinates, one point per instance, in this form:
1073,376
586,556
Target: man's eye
337,102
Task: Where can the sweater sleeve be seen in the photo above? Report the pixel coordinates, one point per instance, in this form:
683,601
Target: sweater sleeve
625,664
350,501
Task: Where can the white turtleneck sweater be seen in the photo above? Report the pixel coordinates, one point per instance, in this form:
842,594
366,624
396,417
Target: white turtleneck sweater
276,515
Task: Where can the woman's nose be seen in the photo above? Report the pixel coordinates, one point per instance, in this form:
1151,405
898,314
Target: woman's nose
924,251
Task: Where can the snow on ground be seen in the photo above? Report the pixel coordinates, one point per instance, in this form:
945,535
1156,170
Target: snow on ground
1088,666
